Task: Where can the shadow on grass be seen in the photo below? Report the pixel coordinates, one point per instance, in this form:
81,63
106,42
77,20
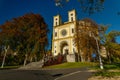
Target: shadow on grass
112,66
106,72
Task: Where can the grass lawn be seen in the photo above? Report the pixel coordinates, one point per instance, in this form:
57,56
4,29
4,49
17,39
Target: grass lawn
109,70
107,73
107,67
112,66
72,65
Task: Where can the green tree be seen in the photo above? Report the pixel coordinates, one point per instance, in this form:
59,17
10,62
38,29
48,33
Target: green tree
109,41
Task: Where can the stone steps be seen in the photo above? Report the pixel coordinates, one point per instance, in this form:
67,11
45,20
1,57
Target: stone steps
33,65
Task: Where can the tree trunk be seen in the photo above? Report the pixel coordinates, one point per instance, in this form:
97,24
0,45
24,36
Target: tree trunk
82,60
31,59
80,57
3,61
25,60
35,59
109,57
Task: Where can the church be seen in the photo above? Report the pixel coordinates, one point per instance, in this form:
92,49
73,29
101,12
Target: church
63,37
62,41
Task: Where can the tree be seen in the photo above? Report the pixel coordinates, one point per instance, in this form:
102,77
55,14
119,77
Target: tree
109,41
87,6
26,35
84,42
5,39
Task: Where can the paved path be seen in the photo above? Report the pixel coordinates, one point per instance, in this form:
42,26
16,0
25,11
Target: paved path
78,75
44,74
24,75
72,74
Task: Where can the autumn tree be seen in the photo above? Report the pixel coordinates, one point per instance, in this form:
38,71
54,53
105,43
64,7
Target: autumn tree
5,39
26,35
84,41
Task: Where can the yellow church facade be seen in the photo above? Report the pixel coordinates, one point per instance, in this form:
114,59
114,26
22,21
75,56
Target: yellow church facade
62,41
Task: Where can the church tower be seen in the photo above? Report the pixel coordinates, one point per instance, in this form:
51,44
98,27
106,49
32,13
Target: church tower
72,16
63,33
57,20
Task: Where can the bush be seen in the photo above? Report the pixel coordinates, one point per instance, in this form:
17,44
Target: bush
54,60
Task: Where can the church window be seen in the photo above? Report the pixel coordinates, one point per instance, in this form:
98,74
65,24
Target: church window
71,18
71,14
56,23
63,32
55,34
72,30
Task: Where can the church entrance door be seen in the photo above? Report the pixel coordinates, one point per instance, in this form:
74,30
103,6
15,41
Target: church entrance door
64,47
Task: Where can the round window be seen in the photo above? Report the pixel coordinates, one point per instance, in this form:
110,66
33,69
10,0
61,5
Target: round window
63,32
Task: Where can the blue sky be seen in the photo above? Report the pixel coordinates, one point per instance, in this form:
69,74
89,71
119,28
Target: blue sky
14,8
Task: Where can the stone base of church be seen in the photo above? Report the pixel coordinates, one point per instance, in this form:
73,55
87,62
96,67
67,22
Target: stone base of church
71,58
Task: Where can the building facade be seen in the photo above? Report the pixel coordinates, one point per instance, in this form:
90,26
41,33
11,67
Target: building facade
62,41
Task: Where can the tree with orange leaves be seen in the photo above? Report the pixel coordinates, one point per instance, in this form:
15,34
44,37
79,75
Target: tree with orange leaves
84,42
26,35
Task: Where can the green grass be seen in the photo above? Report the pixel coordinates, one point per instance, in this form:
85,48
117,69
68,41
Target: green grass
72,65
106,71
107,67
107,74
112,66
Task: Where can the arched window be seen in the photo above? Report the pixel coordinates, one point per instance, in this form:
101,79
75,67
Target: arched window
72,30
71,18
56,21
55,34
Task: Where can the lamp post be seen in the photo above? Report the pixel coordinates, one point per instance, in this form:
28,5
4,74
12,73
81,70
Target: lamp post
100,59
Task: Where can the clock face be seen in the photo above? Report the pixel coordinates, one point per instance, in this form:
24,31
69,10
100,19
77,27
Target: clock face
63,32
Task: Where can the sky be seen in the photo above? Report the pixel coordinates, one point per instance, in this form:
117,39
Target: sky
47,9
